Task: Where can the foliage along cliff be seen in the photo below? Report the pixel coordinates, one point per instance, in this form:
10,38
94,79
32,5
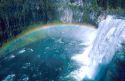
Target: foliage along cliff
18,15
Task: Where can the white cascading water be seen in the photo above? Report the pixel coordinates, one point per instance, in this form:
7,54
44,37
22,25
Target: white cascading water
110,34
108,39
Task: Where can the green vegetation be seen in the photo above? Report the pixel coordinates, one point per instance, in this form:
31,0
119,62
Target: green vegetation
18,15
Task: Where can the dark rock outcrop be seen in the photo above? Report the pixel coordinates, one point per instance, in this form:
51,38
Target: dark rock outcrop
17,15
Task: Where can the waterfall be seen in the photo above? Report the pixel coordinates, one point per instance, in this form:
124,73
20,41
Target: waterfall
110,35
96,57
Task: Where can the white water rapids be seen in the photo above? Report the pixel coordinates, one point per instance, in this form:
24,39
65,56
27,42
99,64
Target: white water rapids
110,34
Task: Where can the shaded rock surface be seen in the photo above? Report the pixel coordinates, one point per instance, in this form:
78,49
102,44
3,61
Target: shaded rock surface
18,15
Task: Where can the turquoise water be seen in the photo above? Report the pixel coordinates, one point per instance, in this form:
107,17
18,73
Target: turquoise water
58,53
48,58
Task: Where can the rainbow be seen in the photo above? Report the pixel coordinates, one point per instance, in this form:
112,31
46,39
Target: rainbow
31,36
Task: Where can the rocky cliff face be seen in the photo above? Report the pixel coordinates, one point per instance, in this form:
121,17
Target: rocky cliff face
17,15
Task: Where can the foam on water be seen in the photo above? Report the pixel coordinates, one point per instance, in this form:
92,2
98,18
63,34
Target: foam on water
110,35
